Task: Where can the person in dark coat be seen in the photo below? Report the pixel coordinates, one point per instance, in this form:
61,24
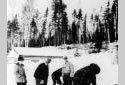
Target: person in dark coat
86,75
42,72
56,76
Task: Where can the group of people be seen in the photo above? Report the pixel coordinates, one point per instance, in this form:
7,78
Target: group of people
84,76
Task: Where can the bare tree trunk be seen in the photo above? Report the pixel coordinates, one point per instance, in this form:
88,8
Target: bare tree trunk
18,41
115,27
11,39
49,38
55,39
64,39
108,36
83,38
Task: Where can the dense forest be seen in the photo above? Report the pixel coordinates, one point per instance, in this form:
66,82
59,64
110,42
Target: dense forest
36,30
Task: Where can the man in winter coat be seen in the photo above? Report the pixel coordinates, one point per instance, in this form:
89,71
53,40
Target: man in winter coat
20,72
67,72
42,72
86,75
56,76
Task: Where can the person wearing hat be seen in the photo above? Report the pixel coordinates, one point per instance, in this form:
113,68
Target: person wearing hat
20,72
42,72
67,72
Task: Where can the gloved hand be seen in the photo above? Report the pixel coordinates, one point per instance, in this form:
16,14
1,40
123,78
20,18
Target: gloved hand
42,82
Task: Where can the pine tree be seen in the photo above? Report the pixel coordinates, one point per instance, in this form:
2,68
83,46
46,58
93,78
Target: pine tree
98,36
85,29
74,14
64,27
33,33
13,27
8,36
74,32
114,12
58,8
50,34
111,21
79,17
107,19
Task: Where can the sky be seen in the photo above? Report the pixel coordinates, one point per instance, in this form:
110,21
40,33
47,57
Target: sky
88,6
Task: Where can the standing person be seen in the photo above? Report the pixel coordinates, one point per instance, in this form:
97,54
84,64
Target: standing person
20,72
42,72
67,72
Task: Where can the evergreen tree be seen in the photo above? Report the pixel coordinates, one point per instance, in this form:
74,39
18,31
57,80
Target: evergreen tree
74,32
58,8
13,27
50,34
108,21
114,12
74,14
33,29
110,18
33,33
98,36
8,36
85,29
64,27
79,17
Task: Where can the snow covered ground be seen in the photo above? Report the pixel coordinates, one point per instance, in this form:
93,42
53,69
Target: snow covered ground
106,60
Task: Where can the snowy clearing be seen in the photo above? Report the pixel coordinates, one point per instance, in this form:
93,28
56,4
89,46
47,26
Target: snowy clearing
106,60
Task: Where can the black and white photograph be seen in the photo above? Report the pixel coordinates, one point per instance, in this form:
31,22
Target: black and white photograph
62,42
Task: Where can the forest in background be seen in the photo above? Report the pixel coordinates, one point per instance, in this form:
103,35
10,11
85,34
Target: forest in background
36,30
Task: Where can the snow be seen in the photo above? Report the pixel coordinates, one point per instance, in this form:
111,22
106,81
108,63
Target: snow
41,51
107,76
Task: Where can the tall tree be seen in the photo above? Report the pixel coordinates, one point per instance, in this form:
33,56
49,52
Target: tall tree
64,27
50,34
33,29
74,32
41,37
79,24
33,33
13,28
8,36
85,29
114,12
106,21
110,18
79,16
74,14
58,8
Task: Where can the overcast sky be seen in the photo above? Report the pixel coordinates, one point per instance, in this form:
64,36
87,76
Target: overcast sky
15,6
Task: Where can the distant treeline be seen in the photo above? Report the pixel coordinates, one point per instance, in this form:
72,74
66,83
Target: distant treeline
36,31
